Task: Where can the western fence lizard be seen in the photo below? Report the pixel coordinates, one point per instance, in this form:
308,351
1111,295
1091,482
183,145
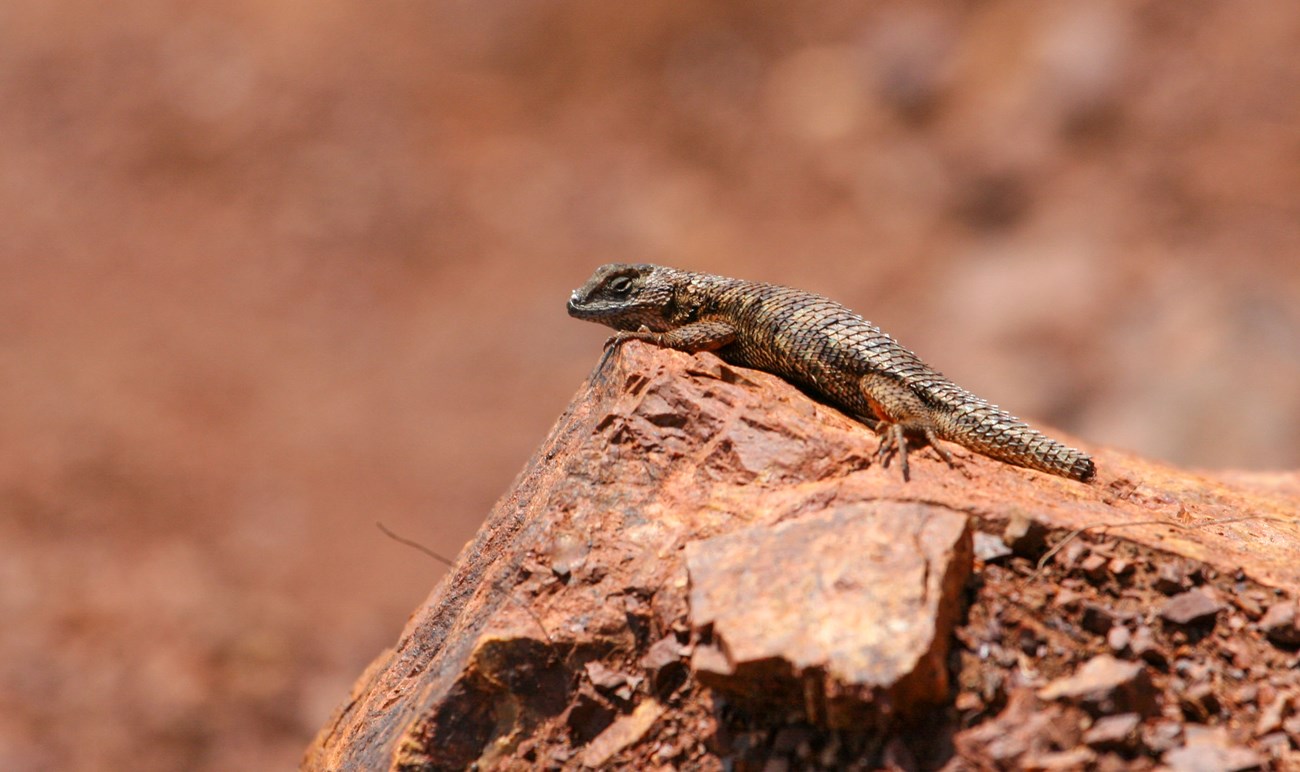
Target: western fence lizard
823,347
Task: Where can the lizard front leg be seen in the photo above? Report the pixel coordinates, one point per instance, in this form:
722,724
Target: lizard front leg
696,336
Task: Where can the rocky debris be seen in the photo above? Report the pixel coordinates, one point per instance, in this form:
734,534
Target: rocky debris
1191,608
1211,750
1172,577
990,548
1114,733
623,732
701,567
1281,624
1023,734
1105,686
846,614
1025,536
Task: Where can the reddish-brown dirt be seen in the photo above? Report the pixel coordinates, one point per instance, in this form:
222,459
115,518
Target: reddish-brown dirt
272,272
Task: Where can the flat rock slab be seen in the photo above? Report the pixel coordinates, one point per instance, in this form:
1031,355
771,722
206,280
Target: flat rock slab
846,613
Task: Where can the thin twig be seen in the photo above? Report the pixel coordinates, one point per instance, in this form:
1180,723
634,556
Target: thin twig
416,545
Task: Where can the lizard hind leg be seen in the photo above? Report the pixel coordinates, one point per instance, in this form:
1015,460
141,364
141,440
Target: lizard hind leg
938,449
893,440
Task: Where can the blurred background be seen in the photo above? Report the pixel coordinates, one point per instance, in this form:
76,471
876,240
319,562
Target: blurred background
272,272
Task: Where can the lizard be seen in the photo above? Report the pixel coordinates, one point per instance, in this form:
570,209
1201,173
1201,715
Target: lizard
821,346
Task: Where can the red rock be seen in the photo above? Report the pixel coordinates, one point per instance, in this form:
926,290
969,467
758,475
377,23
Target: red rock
856,603
1199,702
1193,607
1025,536
1118,638
1104,686
990,548
1118,732
623,732
1210,750
663,652
1279,623
1094,567
603,677
1025,730
1172,577
666,455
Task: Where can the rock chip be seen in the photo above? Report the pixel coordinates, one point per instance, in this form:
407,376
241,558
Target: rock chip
623,732
1118,638
1211,750
1094,567
1191,608
1172,577
1279,623
1105,686
990,548
1114,733
1025,536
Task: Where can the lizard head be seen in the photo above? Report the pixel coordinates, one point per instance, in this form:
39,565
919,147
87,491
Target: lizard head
626,297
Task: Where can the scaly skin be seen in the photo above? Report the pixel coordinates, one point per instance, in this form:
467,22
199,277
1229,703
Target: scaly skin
821,346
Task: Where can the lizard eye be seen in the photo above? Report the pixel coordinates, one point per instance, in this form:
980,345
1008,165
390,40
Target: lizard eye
619,285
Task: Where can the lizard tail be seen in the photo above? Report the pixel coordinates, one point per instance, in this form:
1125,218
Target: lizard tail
996,433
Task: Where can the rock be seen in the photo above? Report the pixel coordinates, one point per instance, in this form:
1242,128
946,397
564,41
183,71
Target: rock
1065,598
1280,625
1097,618
1210,750
1114,733
664,652
1191,608
605,677
1270,717
1172,577
989,548
1071,555
1199,702
1118,639
1061,761
1162,736
847,612
622,733
558,638
1105,686
1094,567
1025,536
1145,646
1025,730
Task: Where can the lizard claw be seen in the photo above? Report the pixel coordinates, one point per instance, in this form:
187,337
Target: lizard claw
893,441
618,339
933,442
623,336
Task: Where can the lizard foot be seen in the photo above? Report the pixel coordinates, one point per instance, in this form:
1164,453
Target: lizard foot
893,441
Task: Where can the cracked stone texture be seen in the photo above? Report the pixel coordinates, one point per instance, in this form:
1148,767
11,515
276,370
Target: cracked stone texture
670,476
849,610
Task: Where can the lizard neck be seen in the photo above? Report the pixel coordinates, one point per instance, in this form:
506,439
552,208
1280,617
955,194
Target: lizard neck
699,295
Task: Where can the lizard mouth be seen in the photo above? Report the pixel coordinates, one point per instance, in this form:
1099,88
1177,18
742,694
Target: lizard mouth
575,305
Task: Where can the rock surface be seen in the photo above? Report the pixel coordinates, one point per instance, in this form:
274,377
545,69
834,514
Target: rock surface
848,612
701,564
